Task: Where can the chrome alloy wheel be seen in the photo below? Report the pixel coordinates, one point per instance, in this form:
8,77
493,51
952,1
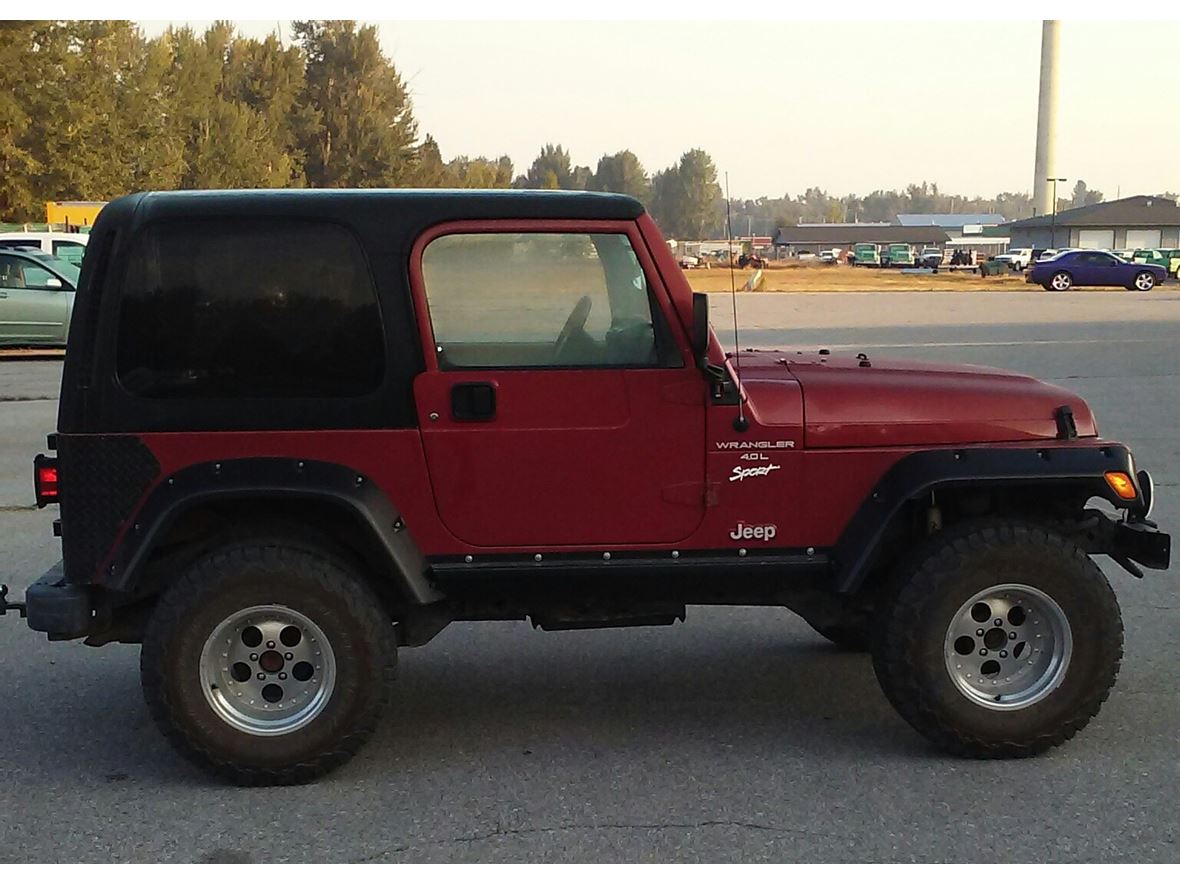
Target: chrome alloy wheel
1145,282
1008,647
1061,281
267,670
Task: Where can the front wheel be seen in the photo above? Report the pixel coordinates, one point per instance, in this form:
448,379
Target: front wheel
1144,281
1061,282
268,662
1002,639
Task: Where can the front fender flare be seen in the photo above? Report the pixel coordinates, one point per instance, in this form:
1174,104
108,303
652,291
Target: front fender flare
922,472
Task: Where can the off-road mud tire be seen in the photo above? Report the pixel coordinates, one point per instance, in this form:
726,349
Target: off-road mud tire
269,571
946,571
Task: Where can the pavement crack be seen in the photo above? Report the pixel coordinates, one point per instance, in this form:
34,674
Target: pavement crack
501,832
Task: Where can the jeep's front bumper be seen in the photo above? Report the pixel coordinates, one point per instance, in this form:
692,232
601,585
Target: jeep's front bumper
1128,542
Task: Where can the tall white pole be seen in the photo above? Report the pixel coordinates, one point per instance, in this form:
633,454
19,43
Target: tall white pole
1045,166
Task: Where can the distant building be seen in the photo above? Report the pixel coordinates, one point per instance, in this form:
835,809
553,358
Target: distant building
954,224
1141,222
817,237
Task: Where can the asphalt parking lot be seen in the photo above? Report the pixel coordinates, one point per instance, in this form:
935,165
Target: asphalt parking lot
737,736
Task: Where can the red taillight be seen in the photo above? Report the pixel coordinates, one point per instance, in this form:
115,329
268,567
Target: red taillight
45,480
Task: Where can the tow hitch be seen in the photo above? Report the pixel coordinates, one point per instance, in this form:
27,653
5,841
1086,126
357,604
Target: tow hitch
6,606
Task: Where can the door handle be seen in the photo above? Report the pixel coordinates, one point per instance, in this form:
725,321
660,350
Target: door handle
473,401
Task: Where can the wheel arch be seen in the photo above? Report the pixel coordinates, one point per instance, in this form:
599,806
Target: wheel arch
213,499
1015,481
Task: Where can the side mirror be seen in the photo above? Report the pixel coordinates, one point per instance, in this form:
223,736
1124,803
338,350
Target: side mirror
52,283
700,328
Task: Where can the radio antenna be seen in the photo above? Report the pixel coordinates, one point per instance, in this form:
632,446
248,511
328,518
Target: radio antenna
740,424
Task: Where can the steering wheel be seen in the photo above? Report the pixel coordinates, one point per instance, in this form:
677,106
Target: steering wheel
575,323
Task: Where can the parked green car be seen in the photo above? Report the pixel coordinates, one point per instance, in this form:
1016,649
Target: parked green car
1169,259
36,298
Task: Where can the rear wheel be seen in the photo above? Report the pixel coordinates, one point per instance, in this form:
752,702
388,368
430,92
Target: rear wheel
1002,639
268,662
1061,282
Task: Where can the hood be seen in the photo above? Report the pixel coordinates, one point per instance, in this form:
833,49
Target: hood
870,402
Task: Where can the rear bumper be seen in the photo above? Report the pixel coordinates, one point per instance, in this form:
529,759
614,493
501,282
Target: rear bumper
59,609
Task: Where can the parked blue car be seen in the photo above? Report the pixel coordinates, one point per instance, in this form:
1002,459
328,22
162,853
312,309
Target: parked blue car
1083,267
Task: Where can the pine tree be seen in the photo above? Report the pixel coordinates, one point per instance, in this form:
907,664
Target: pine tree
365,133
551,170
621,173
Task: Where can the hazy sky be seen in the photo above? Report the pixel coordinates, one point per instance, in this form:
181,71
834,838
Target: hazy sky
847,106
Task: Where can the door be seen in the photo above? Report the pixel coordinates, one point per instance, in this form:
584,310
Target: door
1094,269
1098,238
559,407
1143,238
34,303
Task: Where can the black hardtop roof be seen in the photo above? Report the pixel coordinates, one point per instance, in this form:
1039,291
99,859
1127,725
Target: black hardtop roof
436,205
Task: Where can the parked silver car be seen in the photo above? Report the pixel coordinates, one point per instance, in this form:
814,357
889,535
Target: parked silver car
36,297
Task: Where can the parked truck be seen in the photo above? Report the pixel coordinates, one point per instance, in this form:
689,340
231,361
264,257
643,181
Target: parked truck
899,255
866,255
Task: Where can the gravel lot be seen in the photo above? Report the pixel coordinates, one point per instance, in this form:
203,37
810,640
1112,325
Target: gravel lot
737,736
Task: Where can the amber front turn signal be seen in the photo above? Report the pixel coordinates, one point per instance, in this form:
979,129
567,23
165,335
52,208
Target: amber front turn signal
1122,485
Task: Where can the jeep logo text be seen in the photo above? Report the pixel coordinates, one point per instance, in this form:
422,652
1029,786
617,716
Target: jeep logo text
755,532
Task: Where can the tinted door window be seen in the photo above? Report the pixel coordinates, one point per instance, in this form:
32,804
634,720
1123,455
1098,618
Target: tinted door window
264,309
501,300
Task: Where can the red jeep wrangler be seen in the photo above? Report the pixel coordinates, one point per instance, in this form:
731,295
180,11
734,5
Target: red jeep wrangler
299,429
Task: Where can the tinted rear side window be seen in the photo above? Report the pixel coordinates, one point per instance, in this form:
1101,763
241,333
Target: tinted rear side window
214,310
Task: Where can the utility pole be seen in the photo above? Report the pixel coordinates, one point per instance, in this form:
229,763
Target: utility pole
1053,223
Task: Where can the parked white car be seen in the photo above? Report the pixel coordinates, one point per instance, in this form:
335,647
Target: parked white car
71,247
1020,259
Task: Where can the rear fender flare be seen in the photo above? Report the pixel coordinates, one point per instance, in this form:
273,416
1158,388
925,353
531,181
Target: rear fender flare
269,479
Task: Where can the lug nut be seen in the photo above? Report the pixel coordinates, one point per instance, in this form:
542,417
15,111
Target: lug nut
261,676
1003,654
983,652
999,622
253,656
270,644
979,632
290,656
1012,635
